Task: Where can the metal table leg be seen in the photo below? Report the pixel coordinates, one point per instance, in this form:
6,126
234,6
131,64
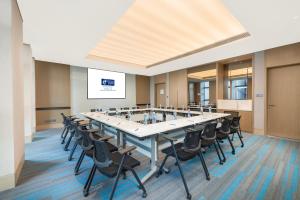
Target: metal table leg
154,158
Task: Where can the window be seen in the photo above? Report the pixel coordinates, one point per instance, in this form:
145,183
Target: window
204,90
238,88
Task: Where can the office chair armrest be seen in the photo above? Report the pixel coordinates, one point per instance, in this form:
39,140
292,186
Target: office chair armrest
77,120
127,149
169,137
105,138
84,122
94,130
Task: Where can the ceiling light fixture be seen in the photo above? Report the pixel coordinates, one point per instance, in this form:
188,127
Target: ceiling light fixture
156,31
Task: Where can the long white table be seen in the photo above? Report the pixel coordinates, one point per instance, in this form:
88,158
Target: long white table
150,131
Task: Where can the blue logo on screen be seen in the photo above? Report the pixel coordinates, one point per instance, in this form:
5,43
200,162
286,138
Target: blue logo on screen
108,82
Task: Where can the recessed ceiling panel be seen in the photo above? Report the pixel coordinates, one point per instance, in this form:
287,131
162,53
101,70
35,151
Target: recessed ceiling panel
155,31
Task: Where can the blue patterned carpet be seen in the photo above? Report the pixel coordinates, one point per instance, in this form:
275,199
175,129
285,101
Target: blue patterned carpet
266,168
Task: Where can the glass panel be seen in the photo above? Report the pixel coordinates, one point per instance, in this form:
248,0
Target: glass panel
204,85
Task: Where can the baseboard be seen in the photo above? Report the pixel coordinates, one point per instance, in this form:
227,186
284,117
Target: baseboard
47,126
28,138
258,131
19,169
9,181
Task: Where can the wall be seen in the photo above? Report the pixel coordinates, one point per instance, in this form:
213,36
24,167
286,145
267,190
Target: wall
142,90
52,93
29,93
12,90
79,101
178,88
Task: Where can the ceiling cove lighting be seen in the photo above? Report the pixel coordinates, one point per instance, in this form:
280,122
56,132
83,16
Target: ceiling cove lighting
152,32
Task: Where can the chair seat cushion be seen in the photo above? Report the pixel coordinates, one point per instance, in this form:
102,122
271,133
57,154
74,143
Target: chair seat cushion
221,136
182,155
111,147
116,157
206,143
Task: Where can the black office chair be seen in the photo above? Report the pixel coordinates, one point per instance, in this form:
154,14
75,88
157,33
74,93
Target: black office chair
235,128
67,122
77,136
72,132
112,165
208,138
93,110
126,108
87,145
223,133
185,151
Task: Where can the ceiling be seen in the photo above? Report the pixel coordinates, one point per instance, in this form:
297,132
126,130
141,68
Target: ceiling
64,31
154,32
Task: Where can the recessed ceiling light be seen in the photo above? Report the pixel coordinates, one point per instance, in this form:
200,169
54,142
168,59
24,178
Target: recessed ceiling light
152,32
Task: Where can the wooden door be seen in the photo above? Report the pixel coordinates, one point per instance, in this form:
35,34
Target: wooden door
283,102
160,94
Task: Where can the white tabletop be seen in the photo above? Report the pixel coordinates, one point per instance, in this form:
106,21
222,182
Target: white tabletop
141,130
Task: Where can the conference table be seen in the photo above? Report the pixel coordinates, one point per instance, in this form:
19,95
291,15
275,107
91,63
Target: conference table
146,136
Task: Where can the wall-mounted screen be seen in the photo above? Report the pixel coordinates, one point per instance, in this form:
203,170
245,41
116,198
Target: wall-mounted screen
106,84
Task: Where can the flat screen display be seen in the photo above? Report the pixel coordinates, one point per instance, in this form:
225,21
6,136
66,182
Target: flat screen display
105,84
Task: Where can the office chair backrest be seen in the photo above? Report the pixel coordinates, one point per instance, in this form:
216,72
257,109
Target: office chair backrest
86,142
209,131
112,109
93,110
101,156
235,122
64,118
192,142
225,127
232,113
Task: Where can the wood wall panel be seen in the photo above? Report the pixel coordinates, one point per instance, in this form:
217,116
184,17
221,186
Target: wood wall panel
178,88
246,122
219,81
197,92
280,56
161,78
142,89
52,90
212,92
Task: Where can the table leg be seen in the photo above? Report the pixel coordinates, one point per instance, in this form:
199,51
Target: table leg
154,158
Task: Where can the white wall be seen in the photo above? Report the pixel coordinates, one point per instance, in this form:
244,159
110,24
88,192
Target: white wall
79,101
12,98
29,93
259,94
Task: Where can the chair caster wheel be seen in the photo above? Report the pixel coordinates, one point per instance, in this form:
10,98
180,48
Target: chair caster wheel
167,171
208,178
242,145
224,160
85,193
233,152
144,195
66,149
221,163
69,159
189,196
76,173
62,142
